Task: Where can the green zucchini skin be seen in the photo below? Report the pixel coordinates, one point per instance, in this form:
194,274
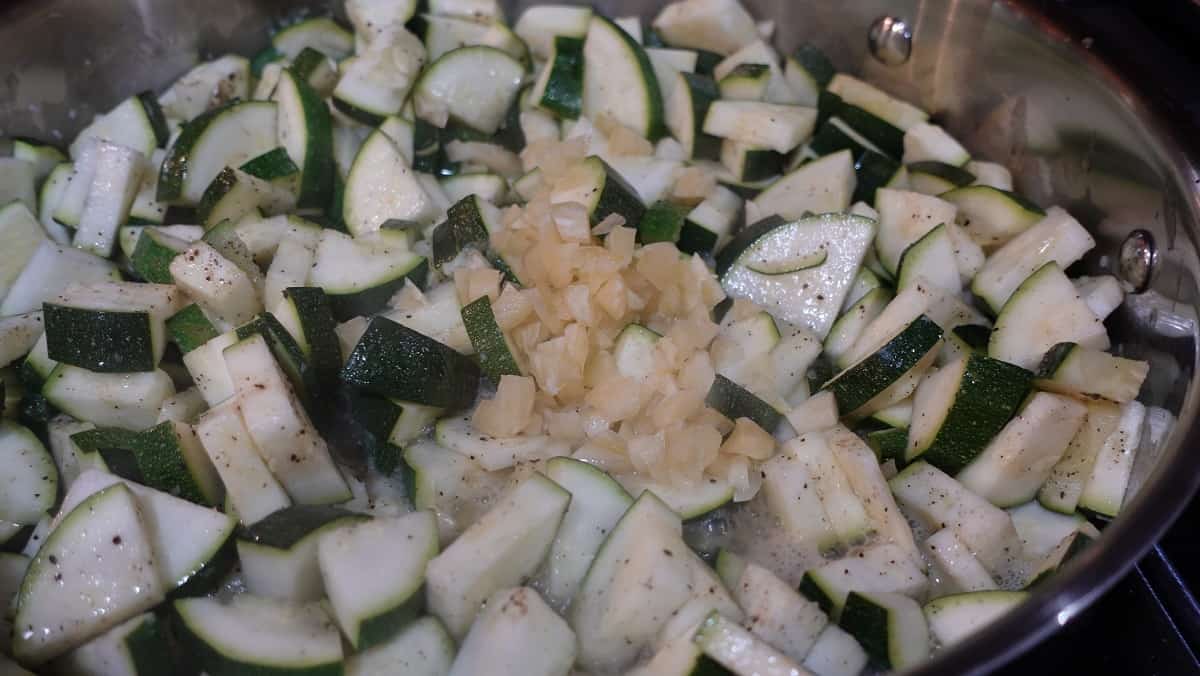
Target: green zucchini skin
564,89
663,222
105,341
989,394
271,165
859,383
495,358
735,401
319,327
190,329
462,228
392,360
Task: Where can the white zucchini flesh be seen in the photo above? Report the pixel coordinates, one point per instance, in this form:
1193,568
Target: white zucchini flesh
439,318
423,648
50,270
736,649
501,549
289,443
770,125
207,85
1044,311
1042,530
899,113
18,335
1019,459
251,487
935,499
495,453
250,632
115,181
381,186
790,493
989,173
1103,294
836,653
475,85
867,481
953,618
242,133
28,477
1065,484
928,142
776,613
20,237
809,297
905,217
721,26
70,594
365,604
517,634
540,24
183,535
619,81
759,52
218,285
127,400
1057,238
1106,487
954,567
597,503
847,515
821,186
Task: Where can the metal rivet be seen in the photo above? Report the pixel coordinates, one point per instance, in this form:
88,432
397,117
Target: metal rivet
890,40
1136,264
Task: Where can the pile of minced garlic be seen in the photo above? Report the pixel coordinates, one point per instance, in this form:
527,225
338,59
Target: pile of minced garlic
581,285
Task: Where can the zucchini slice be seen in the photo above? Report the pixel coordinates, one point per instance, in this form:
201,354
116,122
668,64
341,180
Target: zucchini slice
808,71
305,130
427,372
249,485
770,125
720,26
1057,238
29,476
885,376
904,218
257,635
152,255
559,88
934,499
494,453
991,216
495,353
137,647
110,327
601,190
505,546
959,409
50,270
869,98
890,627
381,186
279,426
516,634
688,98
882,568
934,178
22,237
953,618
931,258
360,275
808,297
473,85
469,222
745,82
619,81
790,492
954,566
734,401
750,163
127,400
541,24
836,652
776,613
740,651
597,504
423,648
370,608
67,579
822,186
1077,371
924,142
1044,311
1105,488
222,137
1021,457
278,554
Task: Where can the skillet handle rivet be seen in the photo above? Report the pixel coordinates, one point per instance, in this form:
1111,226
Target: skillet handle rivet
890,40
